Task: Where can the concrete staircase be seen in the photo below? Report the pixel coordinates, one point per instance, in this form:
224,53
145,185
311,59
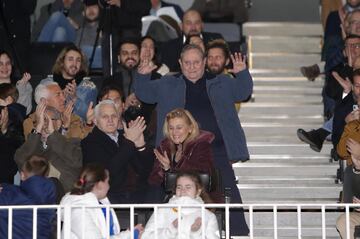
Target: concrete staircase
282,169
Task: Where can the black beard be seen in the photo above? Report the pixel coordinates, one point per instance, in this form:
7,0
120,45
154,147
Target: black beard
217,72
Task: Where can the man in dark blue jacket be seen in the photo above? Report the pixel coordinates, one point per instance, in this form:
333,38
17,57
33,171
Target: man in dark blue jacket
35,189
211,100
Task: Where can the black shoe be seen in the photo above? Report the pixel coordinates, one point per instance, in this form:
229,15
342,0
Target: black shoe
311,138
310,72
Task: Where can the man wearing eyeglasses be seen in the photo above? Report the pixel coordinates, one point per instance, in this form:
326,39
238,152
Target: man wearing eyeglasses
210,99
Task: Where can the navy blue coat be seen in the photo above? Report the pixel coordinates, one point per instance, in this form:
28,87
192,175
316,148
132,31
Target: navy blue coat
169,92
35,190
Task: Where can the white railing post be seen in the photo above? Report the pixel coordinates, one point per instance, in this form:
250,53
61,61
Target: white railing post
227,221
58,222
179,221
251,219
202,222
107,212
132,222
299,221
34,223
323,222
10,220
156,221
67,222
275,222
83,222
347,219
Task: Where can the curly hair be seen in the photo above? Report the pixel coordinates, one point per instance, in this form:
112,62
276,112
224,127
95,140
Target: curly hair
59,63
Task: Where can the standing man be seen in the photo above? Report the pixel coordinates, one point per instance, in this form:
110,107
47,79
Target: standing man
211,101
15,29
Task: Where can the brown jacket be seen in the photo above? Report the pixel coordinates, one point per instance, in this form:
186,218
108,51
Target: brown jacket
64,155
77,128
352,130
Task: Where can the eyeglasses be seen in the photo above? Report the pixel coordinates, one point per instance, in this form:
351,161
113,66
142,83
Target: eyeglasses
353,45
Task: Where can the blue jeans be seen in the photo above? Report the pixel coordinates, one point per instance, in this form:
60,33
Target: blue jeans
57,29
86,92
328,125
97,63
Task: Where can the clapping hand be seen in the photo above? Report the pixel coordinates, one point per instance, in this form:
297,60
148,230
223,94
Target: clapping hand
134,132
66,115
163,159
238,62
90,115
345,83
353,147
70,90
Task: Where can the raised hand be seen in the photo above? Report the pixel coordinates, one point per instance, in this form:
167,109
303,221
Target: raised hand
40,115
146,66
163,159
132,100
25,78
345,84
70,90
66,115
90,115
238,62
135,131
175,223
50,126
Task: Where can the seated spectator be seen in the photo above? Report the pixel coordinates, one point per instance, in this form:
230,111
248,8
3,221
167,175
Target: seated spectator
87,34
91,189
189,190
12,116
53,131
67,123
157,4
22,85
69,72
58,21
185,147
116,151
352,185
35,189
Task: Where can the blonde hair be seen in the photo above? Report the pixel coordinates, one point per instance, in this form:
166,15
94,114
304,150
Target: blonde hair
59,63
189,119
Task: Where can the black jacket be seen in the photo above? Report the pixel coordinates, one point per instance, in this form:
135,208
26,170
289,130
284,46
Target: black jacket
170,51
100,148
340,113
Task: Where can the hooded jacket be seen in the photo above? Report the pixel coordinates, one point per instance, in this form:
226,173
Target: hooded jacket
36,190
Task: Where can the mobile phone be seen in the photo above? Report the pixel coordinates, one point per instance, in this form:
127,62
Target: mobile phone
355,107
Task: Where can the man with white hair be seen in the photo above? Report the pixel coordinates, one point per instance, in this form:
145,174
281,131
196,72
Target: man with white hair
67,123
53,132
117,152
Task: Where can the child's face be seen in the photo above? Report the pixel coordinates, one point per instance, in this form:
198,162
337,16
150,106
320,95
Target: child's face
102,188
186,187
24,175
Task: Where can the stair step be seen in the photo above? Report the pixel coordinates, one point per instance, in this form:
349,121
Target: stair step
282,29
285,149
281,60
285,169
257,72
283,110
284,44
295,192
306,157
293,180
